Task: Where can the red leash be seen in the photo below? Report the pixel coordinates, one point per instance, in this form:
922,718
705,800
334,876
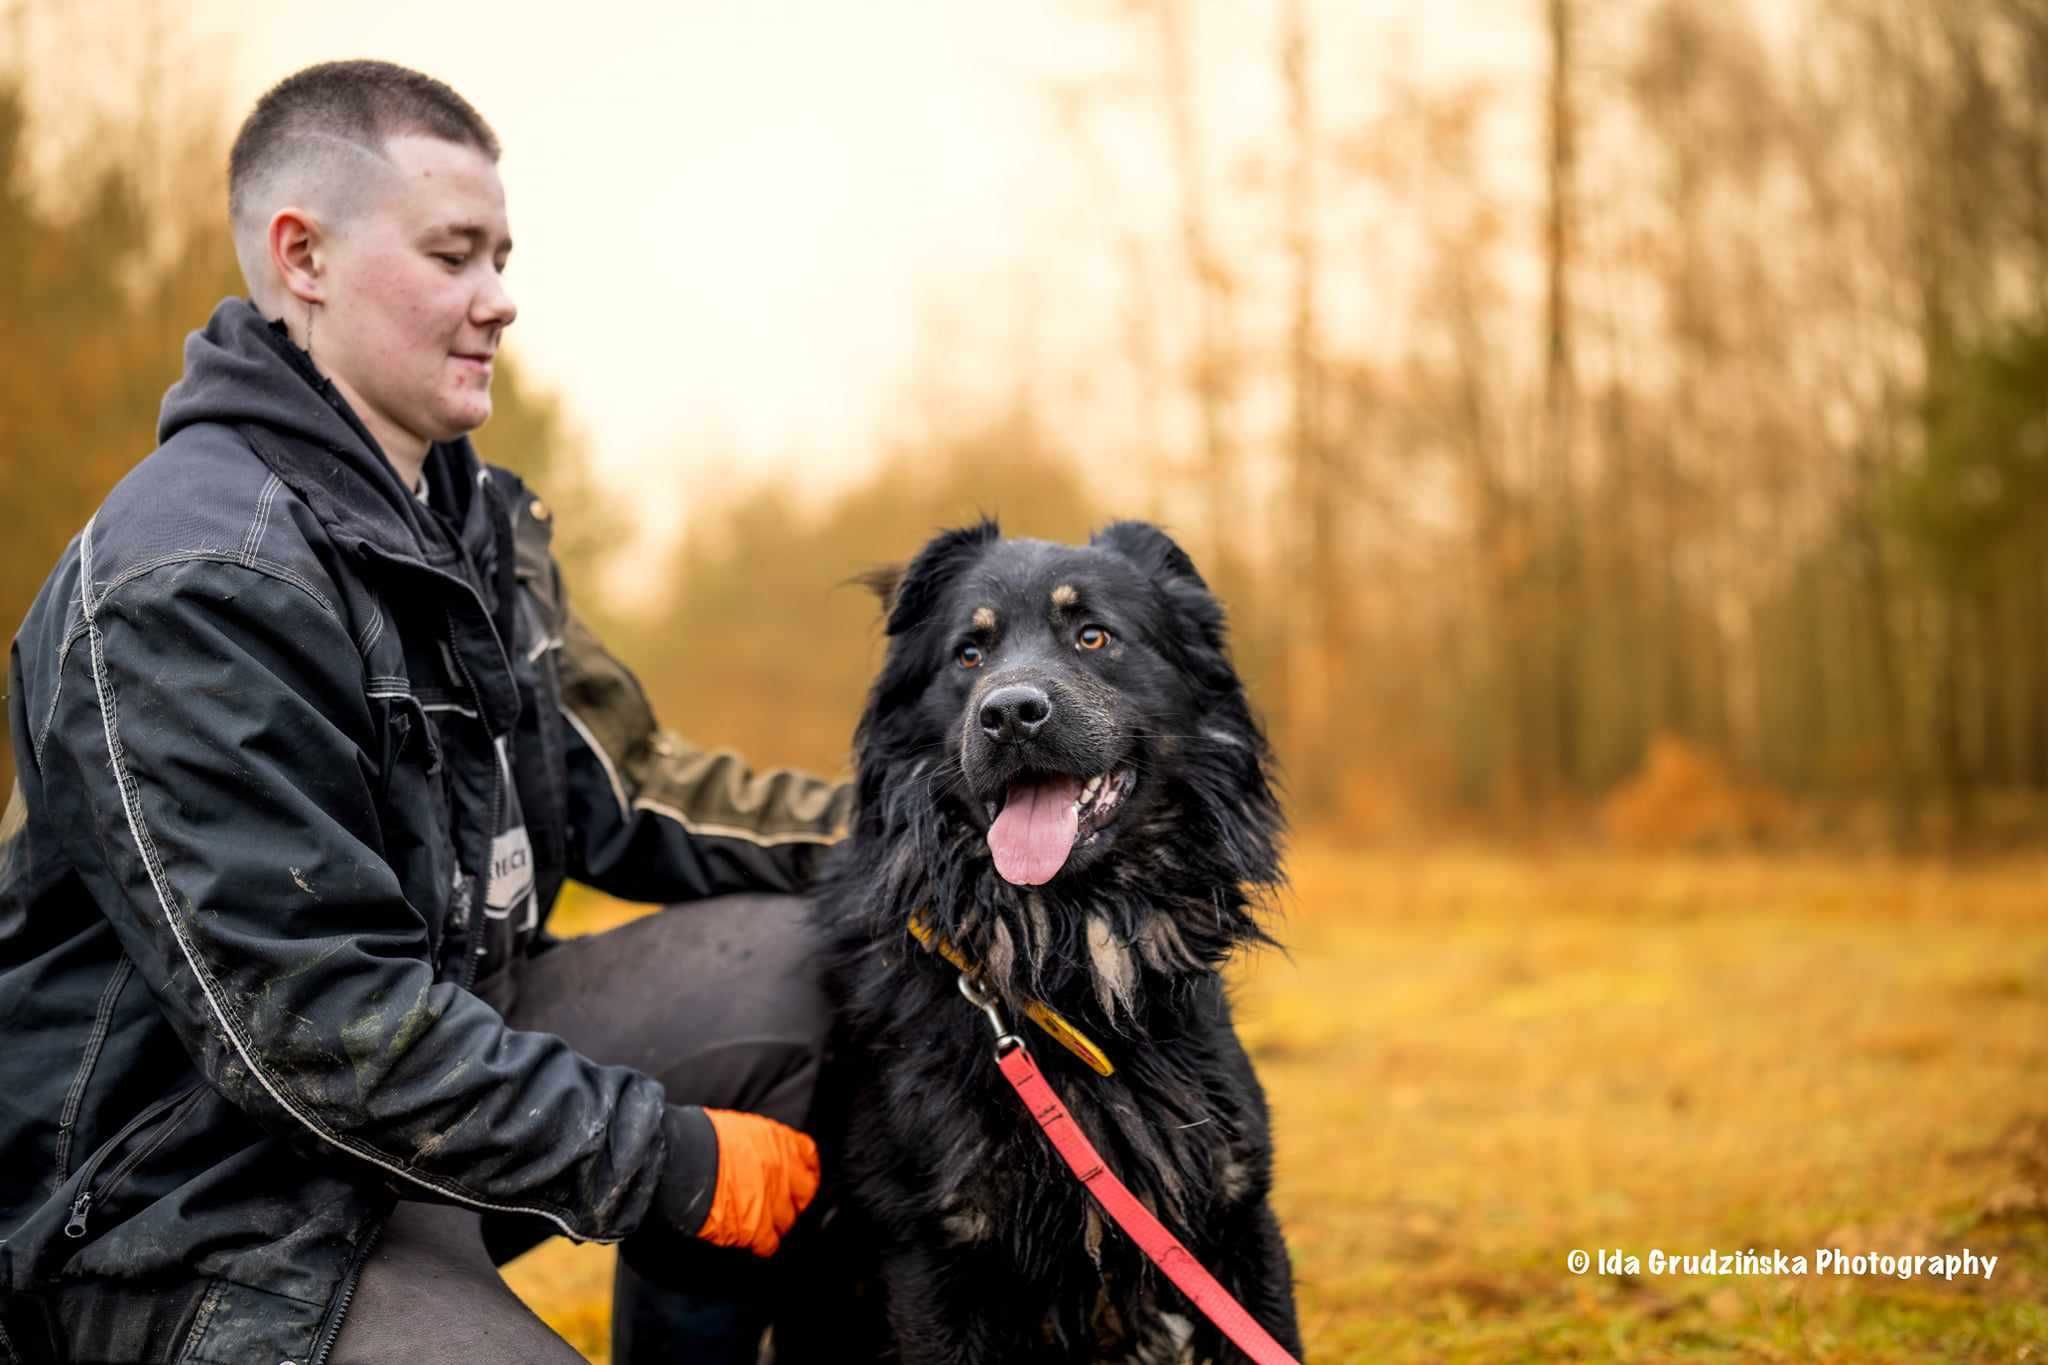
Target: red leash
1116,1198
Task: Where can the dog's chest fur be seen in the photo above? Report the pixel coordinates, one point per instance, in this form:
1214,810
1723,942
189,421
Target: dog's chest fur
982,1181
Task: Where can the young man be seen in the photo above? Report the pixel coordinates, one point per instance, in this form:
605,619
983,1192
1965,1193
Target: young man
308,741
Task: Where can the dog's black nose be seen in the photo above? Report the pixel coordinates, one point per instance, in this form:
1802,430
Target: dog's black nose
1013,714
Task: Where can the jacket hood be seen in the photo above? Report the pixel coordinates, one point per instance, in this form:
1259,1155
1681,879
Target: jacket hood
245,372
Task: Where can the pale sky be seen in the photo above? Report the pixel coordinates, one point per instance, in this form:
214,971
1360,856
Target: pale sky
724,213
753,230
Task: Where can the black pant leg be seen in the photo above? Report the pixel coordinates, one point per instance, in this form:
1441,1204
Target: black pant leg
429,1295
721,1001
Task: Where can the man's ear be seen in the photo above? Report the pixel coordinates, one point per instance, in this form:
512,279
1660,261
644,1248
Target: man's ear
298,254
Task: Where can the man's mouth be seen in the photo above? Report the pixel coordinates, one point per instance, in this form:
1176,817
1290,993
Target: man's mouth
1043,818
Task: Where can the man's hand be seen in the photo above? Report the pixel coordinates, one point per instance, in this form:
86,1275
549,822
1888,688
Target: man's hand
767,1173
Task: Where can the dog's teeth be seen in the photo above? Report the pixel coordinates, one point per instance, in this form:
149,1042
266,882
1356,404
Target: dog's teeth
990,807
1094,785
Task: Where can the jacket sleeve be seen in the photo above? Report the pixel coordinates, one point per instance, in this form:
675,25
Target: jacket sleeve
214,738
654,818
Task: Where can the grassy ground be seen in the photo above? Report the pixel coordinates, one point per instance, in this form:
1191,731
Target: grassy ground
1479,1063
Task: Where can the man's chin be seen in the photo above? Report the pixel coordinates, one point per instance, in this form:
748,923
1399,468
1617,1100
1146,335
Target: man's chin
460,419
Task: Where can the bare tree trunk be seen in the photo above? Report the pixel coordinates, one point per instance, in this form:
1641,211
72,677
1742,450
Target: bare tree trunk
1993,767
1810,710
1684,706
2035,763
2031,568
1932,185
1951,767
1624,575
1559,404
2037,158
1494,535
1884,656
1316,596
1674,687
1214,365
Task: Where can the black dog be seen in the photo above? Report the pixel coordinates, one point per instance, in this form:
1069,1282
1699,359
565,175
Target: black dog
1058,769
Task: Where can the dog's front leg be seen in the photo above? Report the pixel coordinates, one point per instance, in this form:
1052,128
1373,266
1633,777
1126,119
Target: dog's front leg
1256,1271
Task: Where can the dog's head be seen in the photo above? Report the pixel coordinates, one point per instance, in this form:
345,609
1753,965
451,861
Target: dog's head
1060,726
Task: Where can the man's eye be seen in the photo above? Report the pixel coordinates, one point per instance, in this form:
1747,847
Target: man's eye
453,262
1092,637
970,656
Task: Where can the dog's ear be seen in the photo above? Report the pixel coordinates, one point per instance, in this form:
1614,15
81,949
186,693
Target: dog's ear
916,590
1151,549
882,581
1170,569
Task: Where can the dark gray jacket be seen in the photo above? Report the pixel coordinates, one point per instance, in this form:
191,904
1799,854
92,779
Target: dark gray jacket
300,757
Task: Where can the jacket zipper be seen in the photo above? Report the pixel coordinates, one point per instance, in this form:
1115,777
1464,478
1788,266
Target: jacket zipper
81,1207
350,1279
473,937
473,918
474,946
96,1040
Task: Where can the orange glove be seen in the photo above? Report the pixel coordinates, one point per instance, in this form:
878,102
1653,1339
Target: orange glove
767,1173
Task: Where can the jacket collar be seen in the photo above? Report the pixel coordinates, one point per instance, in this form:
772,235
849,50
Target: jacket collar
245,372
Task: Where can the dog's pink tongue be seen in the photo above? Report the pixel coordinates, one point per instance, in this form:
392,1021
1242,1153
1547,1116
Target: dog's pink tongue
1035,832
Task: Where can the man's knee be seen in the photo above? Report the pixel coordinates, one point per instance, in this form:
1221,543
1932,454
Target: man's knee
758,958
722,1001
430,1295
757,1041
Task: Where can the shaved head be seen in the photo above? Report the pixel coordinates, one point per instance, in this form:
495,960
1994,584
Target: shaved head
318,141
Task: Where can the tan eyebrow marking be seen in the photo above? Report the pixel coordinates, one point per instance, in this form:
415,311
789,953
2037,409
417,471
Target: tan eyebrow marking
984,618
1065,596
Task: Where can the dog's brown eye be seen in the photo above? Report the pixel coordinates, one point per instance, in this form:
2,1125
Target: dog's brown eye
1092,637
970,656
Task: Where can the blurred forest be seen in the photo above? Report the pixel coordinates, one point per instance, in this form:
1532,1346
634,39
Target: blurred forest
1688,484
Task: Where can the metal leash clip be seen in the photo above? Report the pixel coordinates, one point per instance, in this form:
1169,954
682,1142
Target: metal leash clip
979,997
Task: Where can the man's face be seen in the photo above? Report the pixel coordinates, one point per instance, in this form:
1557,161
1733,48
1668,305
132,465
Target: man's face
416,300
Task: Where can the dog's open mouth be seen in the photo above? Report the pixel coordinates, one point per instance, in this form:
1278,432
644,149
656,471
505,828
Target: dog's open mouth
1043,818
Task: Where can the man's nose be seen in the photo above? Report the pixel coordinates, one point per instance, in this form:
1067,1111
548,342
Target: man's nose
493,306
1013,714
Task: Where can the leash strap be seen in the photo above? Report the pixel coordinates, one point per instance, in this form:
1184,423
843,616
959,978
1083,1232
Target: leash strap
1137,1222
1056,1025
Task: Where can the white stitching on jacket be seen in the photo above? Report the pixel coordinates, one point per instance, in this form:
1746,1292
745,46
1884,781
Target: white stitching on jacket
628,805
145,847
373,631
42,736
261,521
88,1059
269,567
729,831
618,787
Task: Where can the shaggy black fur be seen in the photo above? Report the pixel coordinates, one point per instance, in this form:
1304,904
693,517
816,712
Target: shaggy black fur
951,1231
